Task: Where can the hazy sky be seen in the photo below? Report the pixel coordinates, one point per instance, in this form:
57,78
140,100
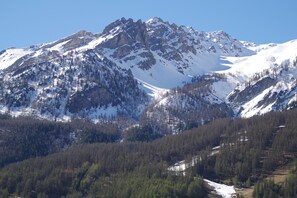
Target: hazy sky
28,22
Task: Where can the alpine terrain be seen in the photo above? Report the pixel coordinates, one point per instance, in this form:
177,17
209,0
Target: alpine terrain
92,115
168,76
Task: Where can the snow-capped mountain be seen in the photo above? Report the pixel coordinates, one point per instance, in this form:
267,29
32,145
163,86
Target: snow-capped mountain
133,69
251,85
266,81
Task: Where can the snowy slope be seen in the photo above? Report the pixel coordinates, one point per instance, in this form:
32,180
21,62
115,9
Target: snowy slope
277,61
253,84
266,58
10,56
132,67
172,55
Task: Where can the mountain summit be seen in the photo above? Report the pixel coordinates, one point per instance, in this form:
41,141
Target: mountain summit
132,69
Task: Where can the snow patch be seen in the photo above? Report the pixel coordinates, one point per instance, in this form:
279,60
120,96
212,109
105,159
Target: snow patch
96,114
92,44
10,56
181,166
153,91
58,47
222,189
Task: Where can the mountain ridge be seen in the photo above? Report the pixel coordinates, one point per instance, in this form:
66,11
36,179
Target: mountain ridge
129,68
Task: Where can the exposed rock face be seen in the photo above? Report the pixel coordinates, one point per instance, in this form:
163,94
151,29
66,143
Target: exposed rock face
273,89
131,37
130,33
169,41
239,97
129,69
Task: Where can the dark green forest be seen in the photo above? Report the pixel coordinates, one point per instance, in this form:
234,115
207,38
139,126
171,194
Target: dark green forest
23,138
36,163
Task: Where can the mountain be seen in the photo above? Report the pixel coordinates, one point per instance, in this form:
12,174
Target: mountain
169,76
251,85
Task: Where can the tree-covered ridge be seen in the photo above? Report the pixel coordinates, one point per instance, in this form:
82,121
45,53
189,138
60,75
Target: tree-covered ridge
249,149
23,138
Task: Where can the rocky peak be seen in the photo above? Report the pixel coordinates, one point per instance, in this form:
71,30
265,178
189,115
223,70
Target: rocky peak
222,38
74,73
113,25
154,21
81,33
157,25
126,32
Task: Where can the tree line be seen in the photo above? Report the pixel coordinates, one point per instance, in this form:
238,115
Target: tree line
249,149
24,137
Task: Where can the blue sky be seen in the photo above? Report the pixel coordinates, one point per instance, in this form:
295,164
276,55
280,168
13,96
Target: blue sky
28,22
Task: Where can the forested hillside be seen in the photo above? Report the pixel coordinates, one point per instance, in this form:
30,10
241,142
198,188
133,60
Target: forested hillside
249,149
24,137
